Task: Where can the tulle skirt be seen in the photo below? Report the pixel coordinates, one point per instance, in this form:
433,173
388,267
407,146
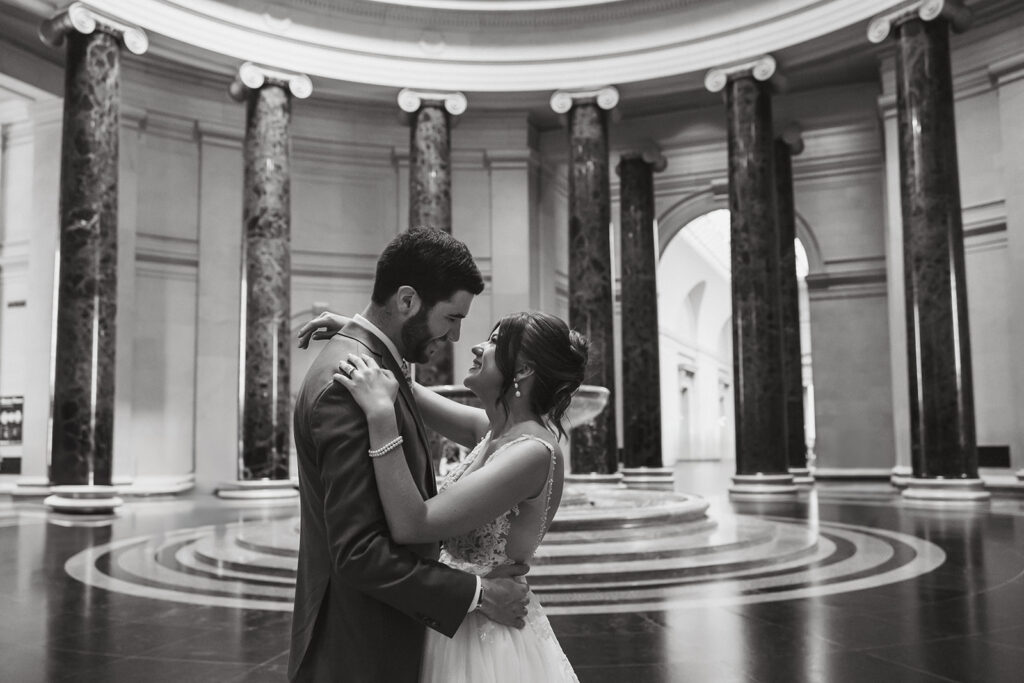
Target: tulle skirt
485,652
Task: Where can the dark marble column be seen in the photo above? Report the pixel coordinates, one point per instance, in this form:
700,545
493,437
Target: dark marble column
430,187
594,446
792,361
83,390
266,218
641,377
761,464
942,430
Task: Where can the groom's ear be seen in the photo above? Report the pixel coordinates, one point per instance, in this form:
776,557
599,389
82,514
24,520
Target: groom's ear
408,301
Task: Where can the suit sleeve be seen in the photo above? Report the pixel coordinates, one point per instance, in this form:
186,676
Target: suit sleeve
363,554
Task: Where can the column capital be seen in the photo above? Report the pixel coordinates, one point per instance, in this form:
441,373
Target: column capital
563,100
410,100
253,77
954,11
650,154
85,20
762,69
793,137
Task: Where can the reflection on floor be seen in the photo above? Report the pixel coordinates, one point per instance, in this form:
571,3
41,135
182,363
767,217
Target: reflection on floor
195,589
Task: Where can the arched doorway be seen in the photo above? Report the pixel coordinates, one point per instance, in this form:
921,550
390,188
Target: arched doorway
695,321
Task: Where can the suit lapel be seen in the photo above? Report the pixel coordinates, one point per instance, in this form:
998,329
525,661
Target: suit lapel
386,360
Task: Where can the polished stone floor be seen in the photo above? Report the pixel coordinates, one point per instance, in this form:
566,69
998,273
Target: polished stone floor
958,617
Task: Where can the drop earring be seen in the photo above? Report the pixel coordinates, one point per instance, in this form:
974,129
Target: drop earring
515,383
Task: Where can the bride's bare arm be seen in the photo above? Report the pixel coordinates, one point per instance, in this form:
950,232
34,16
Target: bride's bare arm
472,501
462,424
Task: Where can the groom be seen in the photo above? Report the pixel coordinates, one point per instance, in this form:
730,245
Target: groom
361,600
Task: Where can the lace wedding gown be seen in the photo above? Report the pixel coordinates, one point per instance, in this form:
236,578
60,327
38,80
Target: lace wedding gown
483,651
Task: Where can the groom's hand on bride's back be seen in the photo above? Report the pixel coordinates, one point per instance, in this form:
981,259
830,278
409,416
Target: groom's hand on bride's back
505,595
324,326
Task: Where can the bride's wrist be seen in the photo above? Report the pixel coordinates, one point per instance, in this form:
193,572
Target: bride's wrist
380,414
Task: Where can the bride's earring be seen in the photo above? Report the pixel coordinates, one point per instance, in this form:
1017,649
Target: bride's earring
515,383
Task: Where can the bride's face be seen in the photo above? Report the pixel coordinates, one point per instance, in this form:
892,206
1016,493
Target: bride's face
484,378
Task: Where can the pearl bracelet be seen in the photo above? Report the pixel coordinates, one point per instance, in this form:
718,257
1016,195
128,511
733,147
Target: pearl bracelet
386,448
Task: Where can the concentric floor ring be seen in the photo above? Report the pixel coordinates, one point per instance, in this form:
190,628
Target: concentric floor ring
251,565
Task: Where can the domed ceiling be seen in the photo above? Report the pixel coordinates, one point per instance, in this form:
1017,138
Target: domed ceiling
507,52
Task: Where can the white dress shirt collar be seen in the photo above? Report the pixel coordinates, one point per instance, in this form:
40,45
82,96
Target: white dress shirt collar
375,331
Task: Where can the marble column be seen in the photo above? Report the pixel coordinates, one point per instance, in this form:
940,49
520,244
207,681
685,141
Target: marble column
430,186
943,445
761,460
786,146
81,455
641,376
594,446
266,281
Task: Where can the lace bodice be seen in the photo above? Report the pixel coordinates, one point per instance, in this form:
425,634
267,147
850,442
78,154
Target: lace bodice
484,548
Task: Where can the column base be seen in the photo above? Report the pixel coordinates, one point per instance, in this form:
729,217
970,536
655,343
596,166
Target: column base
83,499
260,489
31,487
901,476
157,486
1020,475
651,478
802,476
762,485
942,492
34,487
594,479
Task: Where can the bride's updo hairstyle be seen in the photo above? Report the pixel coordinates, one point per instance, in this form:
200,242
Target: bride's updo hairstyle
557,355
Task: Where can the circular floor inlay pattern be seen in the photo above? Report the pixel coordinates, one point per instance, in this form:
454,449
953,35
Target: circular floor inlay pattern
730,559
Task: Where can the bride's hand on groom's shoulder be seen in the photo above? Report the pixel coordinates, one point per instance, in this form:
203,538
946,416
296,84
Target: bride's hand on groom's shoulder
373,387
324,326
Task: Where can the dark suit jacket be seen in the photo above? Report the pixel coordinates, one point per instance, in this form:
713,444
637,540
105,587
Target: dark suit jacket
361,600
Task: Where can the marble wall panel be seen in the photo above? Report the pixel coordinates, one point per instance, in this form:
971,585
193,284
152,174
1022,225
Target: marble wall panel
343,208
989,298
168,177
34,146
471,207
218,310
846,211
980,154
1011,106
163,378
853,399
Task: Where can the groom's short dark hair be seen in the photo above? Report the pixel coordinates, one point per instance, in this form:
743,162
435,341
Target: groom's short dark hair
430,261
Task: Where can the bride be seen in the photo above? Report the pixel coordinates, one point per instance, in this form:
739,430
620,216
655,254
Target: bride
496,506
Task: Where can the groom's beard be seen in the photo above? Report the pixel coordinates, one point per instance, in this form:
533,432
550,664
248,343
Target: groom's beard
416,337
